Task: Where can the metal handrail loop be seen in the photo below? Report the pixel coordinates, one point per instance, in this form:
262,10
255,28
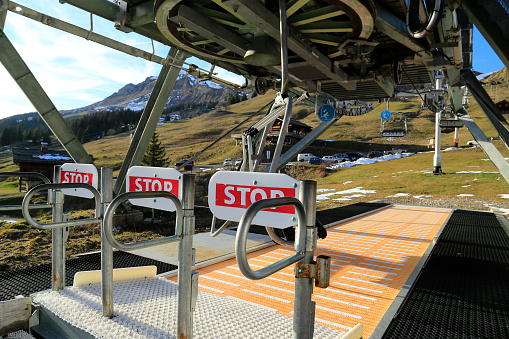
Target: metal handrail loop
243,229
40,176
108,220
33,191
27,175
213,231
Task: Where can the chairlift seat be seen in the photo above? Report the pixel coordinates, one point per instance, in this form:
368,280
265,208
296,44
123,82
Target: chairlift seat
393,133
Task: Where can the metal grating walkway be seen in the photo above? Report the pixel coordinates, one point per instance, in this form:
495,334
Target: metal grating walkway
462,291
372,257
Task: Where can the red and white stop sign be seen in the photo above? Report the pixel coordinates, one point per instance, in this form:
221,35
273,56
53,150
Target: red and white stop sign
231,193
150,179
79,173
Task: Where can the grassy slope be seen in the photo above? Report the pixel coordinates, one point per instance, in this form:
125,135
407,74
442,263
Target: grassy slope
185,138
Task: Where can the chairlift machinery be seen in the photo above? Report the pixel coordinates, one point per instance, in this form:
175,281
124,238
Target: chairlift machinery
343,50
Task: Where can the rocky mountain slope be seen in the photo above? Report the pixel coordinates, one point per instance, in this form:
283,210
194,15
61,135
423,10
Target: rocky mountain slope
135,96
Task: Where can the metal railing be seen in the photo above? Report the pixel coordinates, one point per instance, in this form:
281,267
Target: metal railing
243,230
34,175
213,231
108,220
107,233
184,230
305,245
33,191
60,227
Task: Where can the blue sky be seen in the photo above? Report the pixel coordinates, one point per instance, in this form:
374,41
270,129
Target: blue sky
75,72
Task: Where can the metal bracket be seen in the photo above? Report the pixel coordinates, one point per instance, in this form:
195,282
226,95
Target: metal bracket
34,319
278,100
194,289
121,14
320,271
305,270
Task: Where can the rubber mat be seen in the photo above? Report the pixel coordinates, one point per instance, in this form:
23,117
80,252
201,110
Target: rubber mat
462,291
38,278
340,213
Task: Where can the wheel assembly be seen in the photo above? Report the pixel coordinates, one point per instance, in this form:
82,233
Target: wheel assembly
217,29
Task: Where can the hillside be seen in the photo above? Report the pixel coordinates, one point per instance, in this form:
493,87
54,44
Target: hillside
187,89
498,76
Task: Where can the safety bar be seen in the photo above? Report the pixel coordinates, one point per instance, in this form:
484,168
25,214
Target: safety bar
276,238
243,229
40,176
108,220
31,193
213,231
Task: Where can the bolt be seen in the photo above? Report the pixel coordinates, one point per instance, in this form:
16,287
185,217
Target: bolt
294,185
294,219
155,175
255,182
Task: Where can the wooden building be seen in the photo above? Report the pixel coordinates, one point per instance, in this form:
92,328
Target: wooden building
503,107
40,161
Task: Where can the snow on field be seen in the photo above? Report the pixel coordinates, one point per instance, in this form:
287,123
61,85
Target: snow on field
466,195
366,161
332,192
475,172
397,195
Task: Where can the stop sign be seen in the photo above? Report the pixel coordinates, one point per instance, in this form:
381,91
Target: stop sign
231,193
150,179
79,173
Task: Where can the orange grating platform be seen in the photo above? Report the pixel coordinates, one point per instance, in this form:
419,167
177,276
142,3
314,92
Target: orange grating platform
372,257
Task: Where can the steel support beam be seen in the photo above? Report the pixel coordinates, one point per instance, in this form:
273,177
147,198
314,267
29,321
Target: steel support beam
112,12
488,27
150,116
303,143
491,151
25,79
390,25
3,13
268,23
489,108
105,9
83,33
453,80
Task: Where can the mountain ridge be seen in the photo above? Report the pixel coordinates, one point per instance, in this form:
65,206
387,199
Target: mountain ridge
187,89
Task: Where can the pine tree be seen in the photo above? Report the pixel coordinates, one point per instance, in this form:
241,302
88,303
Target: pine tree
155,155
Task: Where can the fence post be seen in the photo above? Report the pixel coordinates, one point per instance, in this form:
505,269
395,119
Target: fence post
304,307
106,248
185,258
57,238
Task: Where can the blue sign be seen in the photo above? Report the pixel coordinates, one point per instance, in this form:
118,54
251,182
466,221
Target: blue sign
385,115
326,113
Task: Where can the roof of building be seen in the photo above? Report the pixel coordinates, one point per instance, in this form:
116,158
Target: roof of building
37,156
